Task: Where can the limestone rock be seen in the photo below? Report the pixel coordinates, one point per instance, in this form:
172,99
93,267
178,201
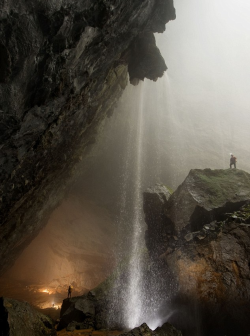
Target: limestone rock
205,195
209,213
19,319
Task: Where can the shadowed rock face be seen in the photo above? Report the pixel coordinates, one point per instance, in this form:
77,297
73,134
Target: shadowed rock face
207,251
155,200
63,66
19,319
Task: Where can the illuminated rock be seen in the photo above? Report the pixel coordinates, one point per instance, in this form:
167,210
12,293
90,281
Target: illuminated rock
143,330
19,319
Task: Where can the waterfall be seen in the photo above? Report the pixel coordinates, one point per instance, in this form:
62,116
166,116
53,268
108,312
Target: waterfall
135,295
141,129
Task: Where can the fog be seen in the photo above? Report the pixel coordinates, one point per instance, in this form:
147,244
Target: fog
207,51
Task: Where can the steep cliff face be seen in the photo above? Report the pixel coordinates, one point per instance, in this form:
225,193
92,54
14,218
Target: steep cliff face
205,243
63,66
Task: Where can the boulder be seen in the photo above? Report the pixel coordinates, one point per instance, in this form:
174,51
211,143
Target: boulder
206,195
19,319
166,330
78,313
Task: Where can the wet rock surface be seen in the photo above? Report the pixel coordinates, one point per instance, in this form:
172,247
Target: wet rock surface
209,259
19,319
154,203
165,330
63,67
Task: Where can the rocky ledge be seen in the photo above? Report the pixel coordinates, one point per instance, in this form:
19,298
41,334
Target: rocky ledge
201,233
63,66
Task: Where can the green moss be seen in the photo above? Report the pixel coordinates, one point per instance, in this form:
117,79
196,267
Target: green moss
219,185
169,189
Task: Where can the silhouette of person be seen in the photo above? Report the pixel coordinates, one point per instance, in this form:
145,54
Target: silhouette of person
69,292
232,161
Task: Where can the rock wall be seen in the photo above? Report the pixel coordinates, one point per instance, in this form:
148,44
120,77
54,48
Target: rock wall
204,243
63,66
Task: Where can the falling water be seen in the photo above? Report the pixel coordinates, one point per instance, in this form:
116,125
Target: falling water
134,300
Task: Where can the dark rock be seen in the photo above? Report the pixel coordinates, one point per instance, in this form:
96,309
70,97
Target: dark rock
166,330
62,69
154,203
145,59
206,195
210,266
71,326
19,319
78,311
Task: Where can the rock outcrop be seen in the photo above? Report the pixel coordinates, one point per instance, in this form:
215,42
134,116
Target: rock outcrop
19,319
155,201
143,330
63,66
78,312
207,250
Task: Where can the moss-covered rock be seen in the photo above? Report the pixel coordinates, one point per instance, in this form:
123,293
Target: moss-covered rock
205,195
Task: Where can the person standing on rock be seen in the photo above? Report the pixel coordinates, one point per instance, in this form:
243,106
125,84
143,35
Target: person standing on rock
232,161
69,292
